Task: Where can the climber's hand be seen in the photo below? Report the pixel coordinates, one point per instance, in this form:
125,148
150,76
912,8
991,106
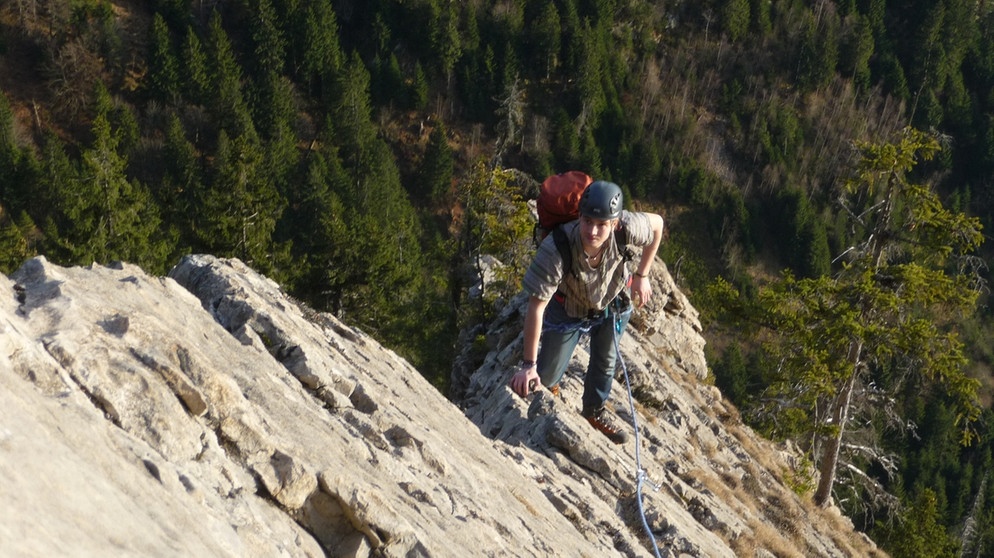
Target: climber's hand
525,380
641,291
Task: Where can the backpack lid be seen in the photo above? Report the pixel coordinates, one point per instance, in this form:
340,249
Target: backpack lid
559,198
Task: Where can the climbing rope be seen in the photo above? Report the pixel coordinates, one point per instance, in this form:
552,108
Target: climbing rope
640,475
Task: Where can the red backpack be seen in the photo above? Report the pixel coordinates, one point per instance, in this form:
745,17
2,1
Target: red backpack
558,203
559,199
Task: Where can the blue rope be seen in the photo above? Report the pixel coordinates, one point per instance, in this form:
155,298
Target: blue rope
640,475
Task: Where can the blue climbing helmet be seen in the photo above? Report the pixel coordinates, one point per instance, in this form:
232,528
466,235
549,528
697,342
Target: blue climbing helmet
601,200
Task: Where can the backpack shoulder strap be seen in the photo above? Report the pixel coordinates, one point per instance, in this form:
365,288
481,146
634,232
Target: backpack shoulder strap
561,239
621,239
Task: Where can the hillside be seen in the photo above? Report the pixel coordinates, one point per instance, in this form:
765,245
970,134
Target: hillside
368,156
208,414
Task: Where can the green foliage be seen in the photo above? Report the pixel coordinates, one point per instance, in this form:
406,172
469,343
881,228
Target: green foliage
543,34
18,166
819,53
856,48
225,93
886,308
434,177
735,18
496,222
322,55
196,81
444,36
163,72
14,245
315,223
731,374
801,479
918,531
805,248
102,215
760,21
267,42
239,209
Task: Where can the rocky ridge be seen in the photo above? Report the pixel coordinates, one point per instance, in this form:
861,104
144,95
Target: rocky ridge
208,414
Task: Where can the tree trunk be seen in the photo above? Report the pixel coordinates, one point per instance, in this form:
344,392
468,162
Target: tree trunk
832,445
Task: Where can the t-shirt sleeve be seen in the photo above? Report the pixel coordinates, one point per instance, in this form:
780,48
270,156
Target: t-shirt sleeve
545,272
638,226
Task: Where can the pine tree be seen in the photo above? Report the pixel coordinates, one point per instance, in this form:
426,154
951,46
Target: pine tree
322,57
382,258
590,78
196,80
496,222
444,38
918,532
565,143
163,69
100,215
819,52
735,18
181,183
544,37
884,311
434,177
760,21
268,43
226,98
239,210
14,247
419,88
315,223
18,166
856,50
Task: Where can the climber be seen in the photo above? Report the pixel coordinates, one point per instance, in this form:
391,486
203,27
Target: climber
589,298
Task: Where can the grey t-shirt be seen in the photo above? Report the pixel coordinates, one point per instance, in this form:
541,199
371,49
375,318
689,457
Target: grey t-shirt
588,288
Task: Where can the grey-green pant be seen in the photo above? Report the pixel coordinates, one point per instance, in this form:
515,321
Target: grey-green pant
561,334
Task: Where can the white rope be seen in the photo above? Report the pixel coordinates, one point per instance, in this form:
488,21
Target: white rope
640,475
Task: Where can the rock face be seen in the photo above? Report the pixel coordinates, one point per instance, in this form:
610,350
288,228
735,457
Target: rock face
209,414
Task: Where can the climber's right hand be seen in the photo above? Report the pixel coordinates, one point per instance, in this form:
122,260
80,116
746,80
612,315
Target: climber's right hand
525,380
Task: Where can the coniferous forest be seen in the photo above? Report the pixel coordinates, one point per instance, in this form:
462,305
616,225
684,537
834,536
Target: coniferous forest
825,168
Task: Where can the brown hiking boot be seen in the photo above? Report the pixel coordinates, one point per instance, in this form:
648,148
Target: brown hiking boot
602,420
555,390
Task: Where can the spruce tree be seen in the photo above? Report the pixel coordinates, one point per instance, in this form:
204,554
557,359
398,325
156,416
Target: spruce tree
100,214
14,247
880,322
315,223
434,177
239,210
18,166
544,39
444,38
177,193
856,49
383,258
322,56
196,79
226,93
735,19
163,68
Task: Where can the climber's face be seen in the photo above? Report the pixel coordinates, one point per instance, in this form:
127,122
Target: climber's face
594,232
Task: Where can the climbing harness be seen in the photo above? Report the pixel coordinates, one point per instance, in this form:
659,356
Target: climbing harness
640,475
